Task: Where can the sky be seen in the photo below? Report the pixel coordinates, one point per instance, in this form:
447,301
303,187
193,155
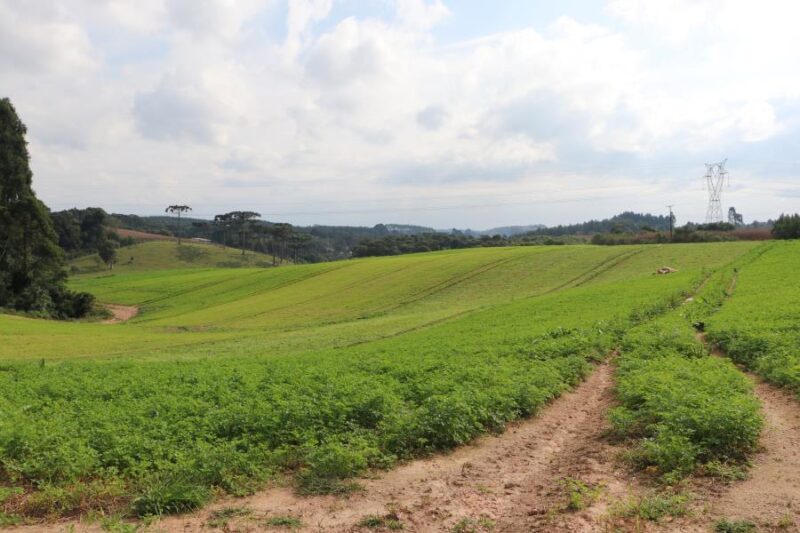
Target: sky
443,113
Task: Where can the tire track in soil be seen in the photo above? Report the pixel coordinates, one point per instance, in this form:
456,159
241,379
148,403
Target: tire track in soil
512,478
770,496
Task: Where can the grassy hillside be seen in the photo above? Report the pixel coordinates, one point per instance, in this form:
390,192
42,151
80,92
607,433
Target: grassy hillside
228,378
160,255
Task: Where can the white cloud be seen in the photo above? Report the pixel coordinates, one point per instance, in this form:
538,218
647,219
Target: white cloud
159,99
419,14
302,15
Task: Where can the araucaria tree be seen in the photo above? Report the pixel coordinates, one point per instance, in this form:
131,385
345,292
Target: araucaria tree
243,221
32,275
179,210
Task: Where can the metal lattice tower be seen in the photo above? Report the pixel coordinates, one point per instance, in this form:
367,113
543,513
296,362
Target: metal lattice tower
715,179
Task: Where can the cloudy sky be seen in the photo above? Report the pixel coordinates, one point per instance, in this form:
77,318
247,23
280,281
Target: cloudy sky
464,113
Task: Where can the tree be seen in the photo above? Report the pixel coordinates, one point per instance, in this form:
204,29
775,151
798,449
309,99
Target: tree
281,233
32,276
107,250
223,222
787,227
179,209
242,220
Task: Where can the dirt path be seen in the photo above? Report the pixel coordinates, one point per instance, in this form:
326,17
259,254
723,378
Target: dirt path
121,313
770,497
512,479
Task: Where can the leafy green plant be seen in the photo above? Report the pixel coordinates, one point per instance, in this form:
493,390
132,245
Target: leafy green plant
170,496
579,494
654,506
734,526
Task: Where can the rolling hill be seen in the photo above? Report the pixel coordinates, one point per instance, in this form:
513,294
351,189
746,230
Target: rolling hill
167,254
229,379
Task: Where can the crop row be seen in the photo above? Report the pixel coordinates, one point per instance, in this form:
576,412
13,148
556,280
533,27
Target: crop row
165,436
759,326
683,408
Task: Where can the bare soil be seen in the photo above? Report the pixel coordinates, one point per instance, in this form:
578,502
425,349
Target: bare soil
142,235
121,313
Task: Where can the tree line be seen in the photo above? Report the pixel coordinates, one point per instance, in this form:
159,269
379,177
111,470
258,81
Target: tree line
32,264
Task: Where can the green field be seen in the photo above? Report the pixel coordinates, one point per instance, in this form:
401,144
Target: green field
159,255
759,326
230,379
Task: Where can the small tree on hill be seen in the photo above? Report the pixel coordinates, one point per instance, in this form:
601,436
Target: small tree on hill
179,210
107,250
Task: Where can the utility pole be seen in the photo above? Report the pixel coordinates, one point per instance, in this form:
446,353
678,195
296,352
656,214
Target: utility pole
671,221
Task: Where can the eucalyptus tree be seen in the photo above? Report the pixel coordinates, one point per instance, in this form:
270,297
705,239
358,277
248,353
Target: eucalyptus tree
179,210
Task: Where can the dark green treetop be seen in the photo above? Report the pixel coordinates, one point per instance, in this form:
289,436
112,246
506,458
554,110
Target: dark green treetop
32,276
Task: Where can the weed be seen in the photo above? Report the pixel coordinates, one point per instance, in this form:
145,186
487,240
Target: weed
220,517
653,507
170,496
725,471
9,519
579,494
389,521
734,526
116,524
287,522
470,525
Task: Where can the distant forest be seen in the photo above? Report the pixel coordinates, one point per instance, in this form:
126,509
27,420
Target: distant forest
83,231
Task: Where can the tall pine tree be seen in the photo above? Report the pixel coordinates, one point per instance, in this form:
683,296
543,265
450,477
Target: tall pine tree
32,275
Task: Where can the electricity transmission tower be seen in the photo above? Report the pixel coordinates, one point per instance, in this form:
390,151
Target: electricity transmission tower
715,178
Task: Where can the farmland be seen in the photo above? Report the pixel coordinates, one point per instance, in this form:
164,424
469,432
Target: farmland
232,380
759,326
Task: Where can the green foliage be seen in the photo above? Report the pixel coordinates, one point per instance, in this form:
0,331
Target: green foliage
758,326
579,494
161,255
169,495
734,526
787,227
683,407
320,372
654,506
32,276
